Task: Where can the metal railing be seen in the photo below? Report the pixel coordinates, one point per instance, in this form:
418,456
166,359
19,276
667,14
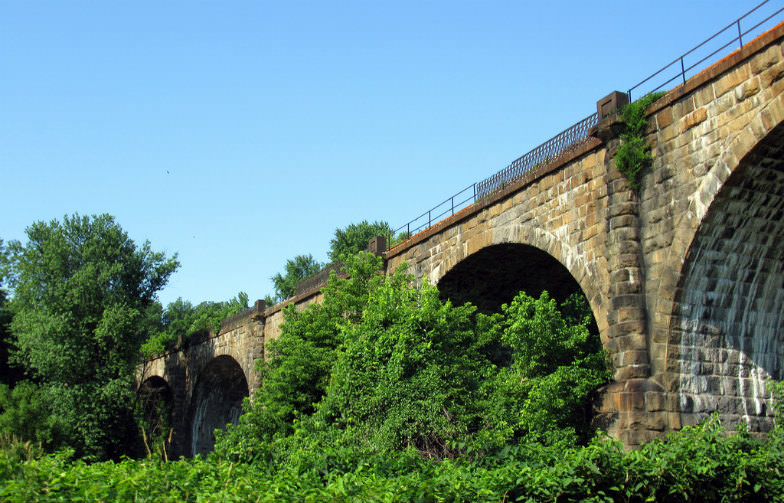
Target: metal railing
434,215
679,63
545,153
574,136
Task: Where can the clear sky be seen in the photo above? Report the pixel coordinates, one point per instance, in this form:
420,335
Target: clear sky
240,134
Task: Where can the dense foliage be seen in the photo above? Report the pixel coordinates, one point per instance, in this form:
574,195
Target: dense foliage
383,365
701,463
83,292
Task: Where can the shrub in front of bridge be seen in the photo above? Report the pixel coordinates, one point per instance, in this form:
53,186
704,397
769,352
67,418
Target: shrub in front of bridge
386,365
297,369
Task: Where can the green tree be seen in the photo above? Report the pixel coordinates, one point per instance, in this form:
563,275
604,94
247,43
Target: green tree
355,237
9,373
82,291
295,270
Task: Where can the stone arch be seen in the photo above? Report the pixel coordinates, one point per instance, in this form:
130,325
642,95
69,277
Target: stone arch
736,148
502,284
723,334
545,248
216,401
493,276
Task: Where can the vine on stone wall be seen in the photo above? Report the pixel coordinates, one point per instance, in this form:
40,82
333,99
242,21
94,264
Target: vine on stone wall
634,154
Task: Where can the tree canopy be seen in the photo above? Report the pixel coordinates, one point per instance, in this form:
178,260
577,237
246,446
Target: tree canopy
82,296
354,238
295,270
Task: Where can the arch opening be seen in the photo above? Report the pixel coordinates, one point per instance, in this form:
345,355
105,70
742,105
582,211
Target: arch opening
217,401
727,325
496,274
157,408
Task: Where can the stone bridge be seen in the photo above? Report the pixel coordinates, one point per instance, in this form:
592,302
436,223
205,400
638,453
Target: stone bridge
685,275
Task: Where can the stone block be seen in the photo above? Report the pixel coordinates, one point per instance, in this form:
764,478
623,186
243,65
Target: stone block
622,301
731,80
633,358
629,259
630,402
589,232
692,119
747,89
656,421
704,96
765,60
655,401
611,103
626,288
623,221
674,420
664,118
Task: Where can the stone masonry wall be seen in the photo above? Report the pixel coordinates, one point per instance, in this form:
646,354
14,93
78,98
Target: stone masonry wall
704,222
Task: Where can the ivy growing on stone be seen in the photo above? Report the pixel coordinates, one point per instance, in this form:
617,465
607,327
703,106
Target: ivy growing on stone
634,154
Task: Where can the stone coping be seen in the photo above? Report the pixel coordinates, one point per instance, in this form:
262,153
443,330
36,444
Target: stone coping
510,189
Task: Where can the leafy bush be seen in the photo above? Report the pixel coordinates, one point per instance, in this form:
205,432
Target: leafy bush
634,153
700,463
383,365
297,368
26,414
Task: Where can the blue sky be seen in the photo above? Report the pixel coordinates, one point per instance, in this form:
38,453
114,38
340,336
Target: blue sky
240,134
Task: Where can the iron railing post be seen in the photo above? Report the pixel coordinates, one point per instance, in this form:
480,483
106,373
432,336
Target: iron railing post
740,35
683,71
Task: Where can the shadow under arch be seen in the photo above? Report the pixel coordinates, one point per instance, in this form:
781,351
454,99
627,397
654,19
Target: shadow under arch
157,407
495,274
727,323
216,402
